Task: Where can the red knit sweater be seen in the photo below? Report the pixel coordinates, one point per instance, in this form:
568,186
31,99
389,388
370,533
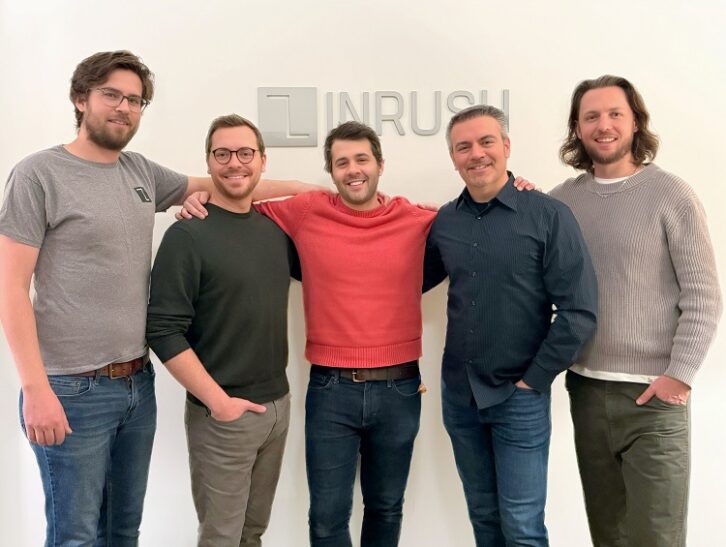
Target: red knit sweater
362,274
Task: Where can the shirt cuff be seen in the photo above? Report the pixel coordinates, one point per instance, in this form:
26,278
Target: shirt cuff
538,378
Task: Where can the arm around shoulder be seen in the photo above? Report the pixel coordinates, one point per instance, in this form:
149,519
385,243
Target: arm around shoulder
272,188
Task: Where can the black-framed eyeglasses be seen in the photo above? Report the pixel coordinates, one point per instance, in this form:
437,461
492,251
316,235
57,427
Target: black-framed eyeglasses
244,154
113,97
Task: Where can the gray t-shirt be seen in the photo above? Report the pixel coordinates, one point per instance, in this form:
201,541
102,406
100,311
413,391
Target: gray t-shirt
93,223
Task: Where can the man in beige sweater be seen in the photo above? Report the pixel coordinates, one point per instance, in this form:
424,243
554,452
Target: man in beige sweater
659,305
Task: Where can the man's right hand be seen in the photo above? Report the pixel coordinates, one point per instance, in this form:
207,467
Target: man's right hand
233,408
194,206
45,420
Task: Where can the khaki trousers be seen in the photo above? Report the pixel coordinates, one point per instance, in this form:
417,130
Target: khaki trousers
235,467
634,463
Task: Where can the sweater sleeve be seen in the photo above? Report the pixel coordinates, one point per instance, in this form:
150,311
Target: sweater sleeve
288,213
175,280
699,303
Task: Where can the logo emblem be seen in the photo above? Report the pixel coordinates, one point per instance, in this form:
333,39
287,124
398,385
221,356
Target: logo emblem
288,116
142,194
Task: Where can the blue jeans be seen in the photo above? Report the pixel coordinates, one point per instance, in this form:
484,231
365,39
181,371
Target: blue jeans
501,454
95,481
378,420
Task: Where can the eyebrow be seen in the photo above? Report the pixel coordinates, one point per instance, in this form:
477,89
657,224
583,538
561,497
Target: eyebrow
134,95
606,110
360,155
467,141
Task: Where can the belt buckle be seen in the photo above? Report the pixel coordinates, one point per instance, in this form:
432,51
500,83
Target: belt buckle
121,370
354,377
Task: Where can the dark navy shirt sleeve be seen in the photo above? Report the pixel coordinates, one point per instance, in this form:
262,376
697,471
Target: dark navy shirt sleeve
569,279
434,270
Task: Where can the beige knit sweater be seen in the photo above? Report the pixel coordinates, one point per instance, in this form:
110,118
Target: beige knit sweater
659,298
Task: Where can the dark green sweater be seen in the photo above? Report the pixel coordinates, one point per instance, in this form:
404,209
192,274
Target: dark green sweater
220,286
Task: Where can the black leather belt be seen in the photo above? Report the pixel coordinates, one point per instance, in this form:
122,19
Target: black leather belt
393,372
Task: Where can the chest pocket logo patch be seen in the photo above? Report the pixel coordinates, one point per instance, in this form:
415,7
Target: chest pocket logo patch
142,194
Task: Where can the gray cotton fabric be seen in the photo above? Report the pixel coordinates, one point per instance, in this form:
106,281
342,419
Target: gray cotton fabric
658,292
93,223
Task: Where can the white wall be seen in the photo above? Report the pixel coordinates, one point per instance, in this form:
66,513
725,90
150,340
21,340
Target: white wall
209,59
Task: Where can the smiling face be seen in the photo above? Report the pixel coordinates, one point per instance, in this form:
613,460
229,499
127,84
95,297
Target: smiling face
355,173
606,127
235,181
480,152
109,127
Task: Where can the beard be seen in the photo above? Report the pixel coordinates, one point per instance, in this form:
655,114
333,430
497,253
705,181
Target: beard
358,199
235,194
615,156
353,198
103,137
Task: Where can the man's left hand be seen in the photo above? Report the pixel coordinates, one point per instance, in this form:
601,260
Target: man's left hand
667,389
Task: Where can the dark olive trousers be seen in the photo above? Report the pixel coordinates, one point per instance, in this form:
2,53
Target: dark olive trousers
634,463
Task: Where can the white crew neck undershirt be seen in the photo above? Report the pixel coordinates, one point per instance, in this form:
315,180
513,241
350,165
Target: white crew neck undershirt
610,181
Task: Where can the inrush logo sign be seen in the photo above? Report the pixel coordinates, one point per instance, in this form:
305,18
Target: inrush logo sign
288,116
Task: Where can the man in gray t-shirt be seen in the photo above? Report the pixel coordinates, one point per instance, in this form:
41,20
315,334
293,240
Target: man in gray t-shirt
80,217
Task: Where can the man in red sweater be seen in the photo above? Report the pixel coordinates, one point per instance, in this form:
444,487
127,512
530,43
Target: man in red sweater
361,259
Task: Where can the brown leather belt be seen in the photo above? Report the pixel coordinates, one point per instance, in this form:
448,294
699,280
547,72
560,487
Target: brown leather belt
395,372
117,370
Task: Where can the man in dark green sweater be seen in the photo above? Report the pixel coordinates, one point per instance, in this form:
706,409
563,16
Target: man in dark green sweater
217,318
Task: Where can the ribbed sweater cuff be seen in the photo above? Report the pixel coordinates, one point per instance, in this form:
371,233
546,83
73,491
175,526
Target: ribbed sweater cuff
681,372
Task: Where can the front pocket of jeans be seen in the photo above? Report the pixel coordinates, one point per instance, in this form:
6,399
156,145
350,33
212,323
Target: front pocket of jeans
408,387
525,390
320,381
70,386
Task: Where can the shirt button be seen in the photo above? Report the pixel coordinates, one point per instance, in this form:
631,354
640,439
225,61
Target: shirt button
470,361
475,244
473,274
471,331
473,302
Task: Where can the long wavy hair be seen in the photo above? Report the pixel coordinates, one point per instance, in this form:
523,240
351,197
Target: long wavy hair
645,142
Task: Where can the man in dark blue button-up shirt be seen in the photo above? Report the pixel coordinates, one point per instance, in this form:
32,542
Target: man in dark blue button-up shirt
510,257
